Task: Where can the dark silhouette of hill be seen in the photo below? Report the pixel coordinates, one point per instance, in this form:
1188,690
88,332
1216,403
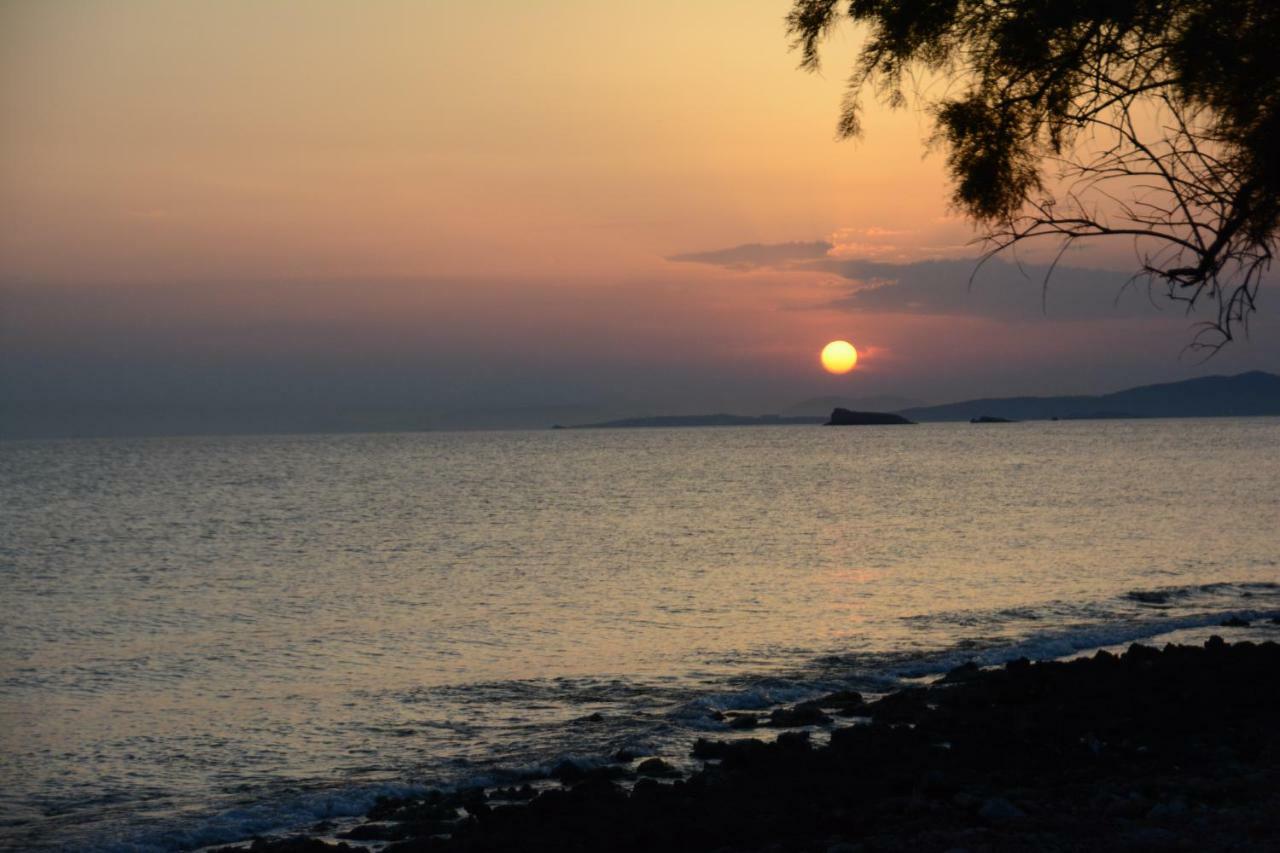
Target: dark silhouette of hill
700,421
1244,395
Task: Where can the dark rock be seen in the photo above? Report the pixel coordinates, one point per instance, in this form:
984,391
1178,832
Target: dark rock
568,772
1133,806
794,740
657,768
964,672
524,792
1167,811
905,706
842,697
848,417
1000,810
1234,622
846,847
384,807
577,775
743,721
372,832
709,749
801,715
991,419
1076,755
626,756
1151,838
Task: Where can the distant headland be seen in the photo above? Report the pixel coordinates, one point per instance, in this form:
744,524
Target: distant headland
1244,395
1250,394
698,421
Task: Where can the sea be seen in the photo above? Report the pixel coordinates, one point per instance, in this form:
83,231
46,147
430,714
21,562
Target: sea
204,639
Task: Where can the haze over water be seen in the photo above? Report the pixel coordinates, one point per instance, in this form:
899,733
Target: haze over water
203,638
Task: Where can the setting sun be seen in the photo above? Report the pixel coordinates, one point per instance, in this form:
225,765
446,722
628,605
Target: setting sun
839,357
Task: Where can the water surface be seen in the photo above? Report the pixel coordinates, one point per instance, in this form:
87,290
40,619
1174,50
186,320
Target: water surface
202,638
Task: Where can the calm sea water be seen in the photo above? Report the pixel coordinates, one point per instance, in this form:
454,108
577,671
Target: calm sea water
203,638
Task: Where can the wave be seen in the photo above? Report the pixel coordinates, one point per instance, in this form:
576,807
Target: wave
264,816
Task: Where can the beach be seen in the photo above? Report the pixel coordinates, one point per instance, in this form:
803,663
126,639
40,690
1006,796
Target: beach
1151,749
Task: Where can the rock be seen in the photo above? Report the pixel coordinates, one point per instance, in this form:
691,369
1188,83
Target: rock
789,718
626,756
1000,810
709,749
845,847
905,706
1133,806
991,419
1182,763
848,417
1234,622
1151,838
964,672
744,721
384,807
657,768
1165,811
793,740
524,792
372,832
434,806
567,772
845,702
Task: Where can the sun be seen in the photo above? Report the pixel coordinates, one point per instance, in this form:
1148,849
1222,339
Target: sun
839,357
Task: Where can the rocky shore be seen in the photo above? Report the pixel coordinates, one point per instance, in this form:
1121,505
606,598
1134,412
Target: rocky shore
1172,749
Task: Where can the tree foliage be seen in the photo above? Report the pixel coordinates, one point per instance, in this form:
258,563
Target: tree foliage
1152,120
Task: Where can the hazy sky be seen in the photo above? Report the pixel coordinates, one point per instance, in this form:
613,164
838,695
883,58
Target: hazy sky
244,214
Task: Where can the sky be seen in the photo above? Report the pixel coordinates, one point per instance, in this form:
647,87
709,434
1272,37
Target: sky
231,215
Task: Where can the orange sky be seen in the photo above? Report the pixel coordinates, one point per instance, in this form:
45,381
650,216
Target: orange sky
444,183
425,138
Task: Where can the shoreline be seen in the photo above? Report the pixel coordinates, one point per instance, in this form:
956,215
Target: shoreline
1172,749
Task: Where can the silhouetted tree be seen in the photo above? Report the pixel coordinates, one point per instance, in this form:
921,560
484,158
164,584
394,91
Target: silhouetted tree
1155,120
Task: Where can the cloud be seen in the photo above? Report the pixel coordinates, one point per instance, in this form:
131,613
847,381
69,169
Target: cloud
880,273
998,290
751,256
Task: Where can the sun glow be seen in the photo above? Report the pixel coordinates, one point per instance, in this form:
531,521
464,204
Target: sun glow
839,357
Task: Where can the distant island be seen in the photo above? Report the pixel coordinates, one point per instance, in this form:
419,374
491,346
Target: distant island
847,417
1250,394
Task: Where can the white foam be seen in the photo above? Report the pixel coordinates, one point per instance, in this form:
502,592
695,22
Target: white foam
1049,645
269,816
